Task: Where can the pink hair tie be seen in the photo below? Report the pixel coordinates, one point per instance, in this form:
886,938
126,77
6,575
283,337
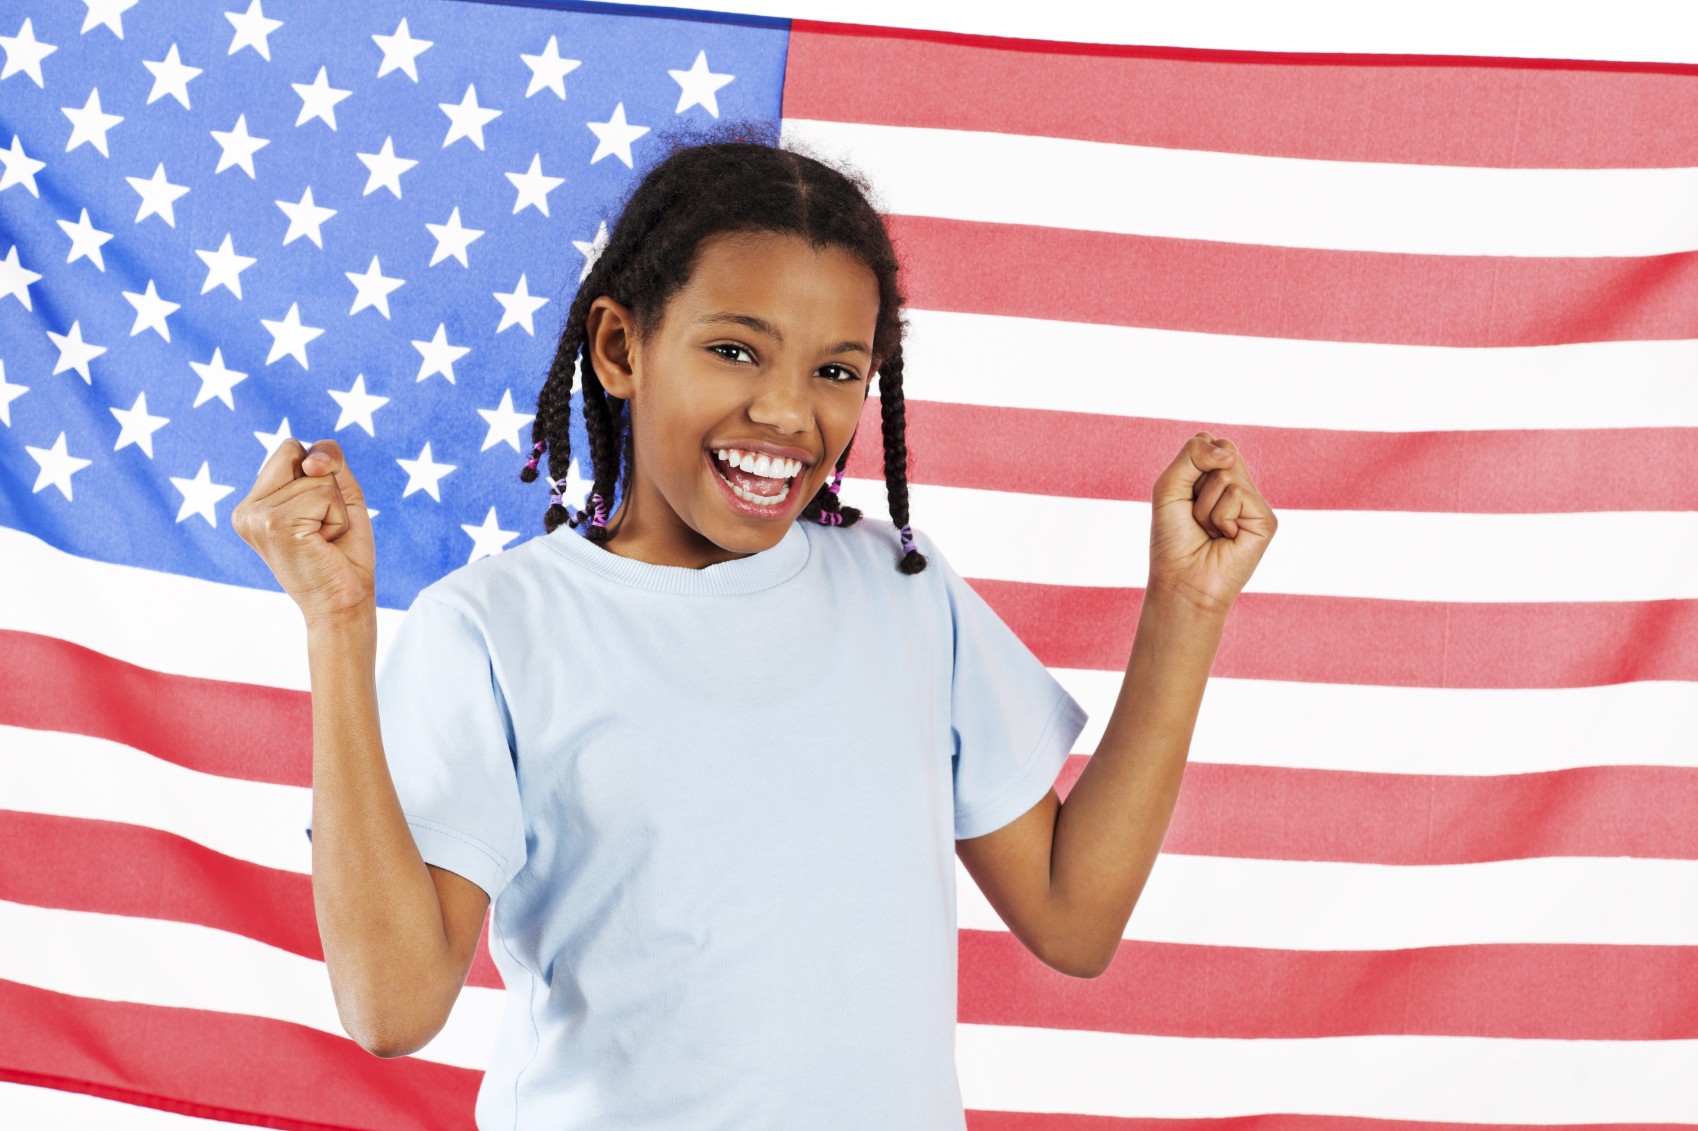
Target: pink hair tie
600,518
536,454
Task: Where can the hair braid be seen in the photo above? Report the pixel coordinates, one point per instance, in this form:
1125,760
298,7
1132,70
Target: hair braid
552,428
893,417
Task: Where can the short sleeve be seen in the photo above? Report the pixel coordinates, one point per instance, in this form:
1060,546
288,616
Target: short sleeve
448,741
1014,723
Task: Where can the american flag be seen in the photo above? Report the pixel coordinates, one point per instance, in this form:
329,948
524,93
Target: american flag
1432,864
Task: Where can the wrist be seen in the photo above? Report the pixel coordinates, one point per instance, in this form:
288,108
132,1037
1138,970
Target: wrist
1182,601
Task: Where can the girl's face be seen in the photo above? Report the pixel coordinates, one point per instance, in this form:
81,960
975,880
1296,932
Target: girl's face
768,343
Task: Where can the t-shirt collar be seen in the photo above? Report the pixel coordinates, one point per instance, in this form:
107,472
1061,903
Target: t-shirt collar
740,575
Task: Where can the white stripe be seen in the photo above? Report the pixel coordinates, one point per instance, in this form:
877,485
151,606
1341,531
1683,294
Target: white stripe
28,1108
188,966
197,628
1240,381
1463,731
1325,905
1466,1080
1217,901
157,619
1644,30
94,779
1386,555
1190,194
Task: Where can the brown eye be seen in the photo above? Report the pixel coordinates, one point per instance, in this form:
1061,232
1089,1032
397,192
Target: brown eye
733,347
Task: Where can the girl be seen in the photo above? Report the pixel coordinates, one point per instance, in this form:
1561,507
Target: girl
707,765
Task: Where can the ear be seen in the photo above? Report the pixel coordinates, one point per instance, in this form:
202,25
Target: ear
610,332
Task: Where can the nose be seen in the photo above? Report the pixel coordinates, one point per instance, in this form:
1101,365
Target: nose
784,402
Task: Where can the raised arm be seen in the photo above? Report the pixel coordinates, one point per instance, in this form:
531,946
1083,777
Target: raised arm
398,936
1066,877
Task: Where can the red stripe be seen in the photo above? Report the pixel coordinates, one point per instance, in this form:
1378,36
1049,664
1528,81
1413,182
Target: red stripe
1087,455
1365,640
1422,110
1597,993
1204,286
1345,640
235,730
1381,818
118,869
226,1066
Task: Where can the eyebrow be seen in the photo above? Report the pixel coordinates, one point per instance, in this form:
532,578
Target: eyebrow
762,326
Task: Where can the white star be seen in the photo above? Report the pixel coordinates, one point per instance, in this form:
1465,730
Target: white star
136,426
252,30
15,278
289,336
385,168
318,100
157,196
238,146
698,86
21,169
304,218
171,76
591,249
615,136
57,466
438,356
517,306
400,51
8,393
86,240
201,494
216,380
24,52
357,406
107,12
151,311
423,474
452,239
372,289
504,423
270,440
467,119
489,538
548,69
574,488
534,187
90,123
74,353
224,267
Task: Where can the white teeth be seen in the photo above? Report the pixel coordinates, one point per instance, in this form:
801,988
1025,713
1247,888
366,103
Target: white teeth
764,465
761,500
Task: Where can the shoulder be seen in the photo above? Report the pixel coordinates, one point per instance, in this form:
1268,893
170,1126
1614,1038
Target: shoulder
871,548
488,587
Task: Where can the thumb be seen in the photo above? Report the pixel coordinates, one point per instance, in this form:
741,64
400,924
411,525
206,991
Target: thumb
1198,457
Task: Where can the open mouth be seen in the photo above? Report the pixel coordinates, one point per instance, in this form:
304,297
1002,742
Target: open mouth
755,492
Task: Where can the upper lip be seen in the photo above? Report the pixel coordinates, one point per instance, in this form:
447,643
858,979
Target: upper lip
760,447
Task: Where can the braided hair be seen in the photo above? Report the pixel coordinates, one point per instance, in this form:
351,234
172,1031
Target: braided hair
697,191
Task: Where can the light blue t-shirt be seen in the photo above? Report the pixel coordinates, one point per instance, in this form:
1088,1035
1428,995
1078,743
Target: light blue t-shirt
716,811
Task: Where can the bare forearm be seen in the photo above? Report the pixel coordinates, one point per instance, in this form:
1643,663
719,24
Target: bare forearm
1111,827
379,917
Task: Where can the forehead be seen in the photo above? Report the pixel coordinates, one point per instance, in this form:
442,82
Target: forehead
781,277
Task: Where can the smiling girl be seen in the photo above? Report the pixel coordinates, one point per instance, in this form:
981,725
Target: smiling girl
707,750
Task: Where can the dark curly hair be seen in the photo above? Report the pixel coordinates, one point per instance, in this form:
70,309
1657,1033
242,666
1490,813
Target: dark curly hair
700,189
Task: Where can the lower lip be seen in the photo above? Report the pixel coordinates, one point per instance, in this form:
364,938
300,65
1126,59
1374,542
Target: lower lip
753,510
